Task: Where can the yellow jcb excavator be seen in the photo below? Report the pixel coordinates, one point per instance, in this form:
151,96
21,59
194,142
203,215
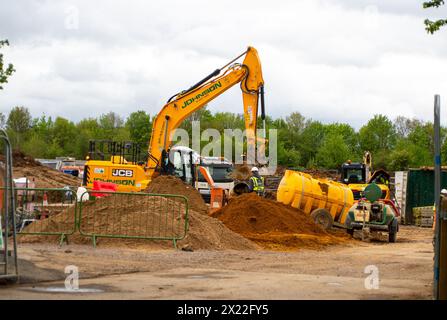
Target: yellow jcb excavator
133,172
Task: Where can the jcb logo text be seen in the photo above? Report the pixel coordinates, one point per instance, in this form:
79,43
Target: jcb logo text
122,173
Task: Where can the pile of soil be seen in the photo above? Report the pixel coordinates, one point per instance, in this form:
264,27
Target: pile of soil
274,225
139,216
241,172
20,159
43,177
174,185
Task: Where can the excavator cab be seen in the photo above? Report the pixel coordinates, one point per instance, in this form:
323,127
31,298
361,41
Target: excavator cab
181,162
358,176
353,173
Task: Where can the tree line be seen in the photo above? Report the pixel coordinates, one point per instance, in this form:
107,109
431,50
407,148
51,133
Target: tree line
396,144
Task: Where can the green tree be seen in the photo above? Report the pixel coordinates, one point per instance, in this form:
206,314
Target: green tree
422,135
310,140
87,129
226,120
333,152
403,126
350,137
377,134
36,147
288,157
203,115
431,26
43,128
296,122
18,124
110,122
139,125
65,135
39,138
400,160
294,126
112,127
5,71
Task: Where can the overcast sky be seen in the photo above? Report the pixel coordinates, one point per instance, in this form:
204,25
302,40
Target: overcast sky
331,60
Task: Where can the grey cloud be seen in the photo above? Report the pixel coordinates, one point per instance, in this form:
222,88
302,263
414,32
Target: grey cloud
322,58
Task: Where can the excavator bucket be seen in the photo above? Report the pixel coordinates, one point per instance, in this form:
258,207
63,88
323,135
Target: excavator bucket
217,194
307,194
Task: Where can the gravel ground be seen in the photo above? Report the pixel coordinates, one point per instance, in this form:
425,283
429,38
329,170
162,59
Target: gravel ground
336,272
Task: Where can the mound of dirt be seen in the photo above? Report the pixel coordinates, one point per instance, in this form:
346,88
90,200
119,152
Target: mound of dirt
43,177
273,225
139,216
21,160
241,172
206,232
173,185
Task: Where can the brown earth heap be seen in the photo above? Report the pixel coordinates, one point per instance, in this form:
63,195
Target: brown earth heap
134,215
241,172
274,225
173,185
43,177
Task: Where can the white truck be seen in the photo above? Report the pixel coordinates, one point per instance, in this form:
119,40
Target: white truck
219,168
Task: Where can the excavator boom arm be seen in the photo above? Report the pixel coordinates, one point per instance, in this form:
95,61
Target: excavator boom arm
248,74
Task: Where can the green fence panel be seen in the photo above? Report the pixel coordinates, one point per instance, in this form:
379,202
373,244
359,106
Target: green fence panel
45,212
56,212
420,190
133,216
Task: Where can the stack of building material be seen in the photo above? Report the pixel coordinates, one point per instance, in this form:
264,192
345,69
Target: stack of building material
423,216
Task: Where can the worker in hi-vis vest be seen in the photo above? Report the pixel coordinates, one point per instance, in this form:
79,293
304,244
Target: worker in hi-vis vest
256,182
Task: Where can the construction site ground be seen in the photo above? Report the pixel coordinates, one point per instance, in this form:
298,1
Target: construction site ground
334,272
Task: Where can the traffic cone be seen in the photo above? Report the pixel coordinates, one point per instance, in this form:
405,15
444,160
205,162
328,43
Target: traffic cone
45,199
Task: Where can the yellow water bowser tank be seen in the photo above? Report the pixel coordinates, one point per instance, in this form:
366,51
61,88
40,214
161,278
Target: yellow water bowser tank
302,191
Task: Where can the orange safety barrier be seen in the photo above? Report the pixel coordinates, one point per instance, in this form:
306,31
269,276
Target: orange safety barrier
103,186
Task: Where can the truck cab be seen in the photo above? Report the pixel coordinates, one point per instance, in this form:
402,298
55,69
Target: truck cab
184,163
220,170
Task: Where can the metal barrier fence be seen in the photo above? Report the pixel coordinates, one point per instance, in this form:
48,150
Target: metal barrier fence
46,212
56,212
9,267
134,216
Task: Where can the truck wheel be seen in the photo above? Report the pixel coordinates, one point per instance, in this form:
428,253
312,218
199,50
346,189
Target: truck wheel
322,217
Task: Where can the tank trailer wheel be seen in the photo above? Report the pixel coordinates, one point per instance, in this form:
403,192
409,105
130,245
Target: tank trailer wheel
323,218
